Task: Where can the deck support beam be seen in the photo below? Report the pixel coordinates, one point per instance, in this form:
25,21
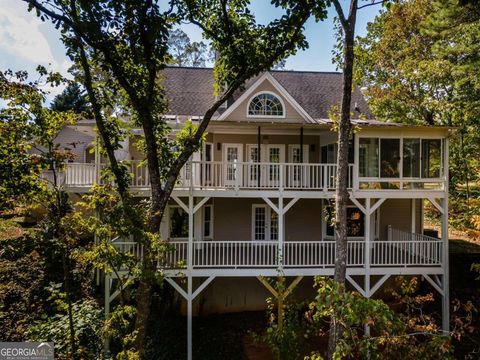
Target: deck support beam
189,296
280,294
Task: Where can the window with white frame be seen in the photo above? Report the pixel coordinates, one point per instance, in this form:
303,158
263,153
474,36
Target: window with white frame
400,157
264,223
208,222
266,105
355,222
178,222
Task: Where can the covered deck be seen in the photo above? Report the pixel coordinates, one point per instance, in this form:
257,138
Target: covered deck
403,250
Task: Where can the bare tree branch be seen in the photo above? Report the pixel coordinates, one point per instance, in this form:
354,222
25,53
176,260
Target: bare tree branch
373,3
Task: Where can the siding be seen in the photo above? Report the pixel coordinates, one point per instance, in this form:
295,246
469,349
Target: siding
233,220
76,141
397,213
313,156
240,113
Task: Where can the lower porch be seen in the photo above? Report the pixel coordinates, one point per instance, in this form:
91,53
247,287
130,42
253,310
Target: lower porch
400,250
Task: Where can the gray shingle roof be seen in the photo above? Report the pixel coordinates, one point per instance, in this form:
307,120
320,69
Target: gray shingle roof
190,91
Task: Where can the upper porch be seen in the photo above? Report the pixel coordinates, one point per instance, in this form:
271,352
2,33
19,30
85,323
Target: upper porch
390,161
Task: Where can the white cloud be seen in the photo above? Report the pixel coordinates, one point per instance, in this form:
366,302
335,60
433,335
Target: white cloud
26,41
20,34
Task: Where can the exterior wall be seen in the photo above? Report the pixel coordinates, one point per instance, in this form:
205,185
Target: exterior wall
227,295
240,113
135,153
76,141
397,213
313,156
303,222
233,220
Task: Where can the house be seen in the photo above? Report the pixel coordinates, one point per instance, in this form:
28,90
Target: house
256,200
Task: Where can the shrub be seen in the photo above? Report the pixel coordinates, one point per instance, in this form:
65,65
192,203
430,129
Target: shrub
87,322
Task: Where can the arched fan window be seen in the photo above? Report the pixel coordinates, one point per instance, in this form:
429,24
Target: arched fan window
266,105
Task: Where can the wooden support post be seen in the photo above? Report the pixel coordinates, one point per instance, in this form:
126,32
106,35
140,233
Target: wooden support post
280,294
106,345
280,298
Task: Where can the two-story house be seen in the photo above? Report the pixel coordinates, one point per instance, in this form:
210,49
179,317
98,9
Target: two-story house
257,199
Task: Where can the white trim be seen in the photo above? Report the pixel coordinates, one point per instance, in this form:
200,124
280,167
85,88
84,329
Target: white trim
284,109
278,87
211,236
324,225
268,217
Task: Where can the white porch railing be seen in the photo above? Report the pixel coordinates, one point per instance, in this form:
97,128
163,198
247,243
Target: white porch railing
225,175
296,254
404,248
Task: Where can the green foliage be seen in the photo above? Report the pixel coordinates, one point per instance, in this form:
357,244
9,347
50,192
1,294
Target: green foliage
22,287
72,99
396,336
285,337
88,320
419,64
187,53
287,343
120,328
27,133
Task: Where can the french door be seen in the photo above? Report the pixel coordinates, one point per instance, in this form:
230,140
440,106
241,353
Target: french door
264,223
298,175
232,155
268,174
207,170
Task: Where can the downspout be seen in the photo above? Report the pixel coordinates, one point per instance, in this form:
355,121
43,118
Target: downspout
301,145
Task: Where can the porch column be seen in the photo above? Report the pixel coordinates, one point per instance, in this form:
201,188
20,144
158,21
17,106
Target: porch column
189,277
367,246
446,265
97,160
281,233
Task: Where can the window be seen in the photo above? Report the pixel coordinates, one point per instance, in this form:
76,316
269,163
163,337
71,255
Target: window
178,222
207,222
267,105
431,158
329,153
355,222
264,223
411,158
390,158
368,157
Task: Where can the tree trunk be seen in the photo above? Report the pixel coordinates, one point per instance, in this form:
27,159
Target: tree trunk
341,195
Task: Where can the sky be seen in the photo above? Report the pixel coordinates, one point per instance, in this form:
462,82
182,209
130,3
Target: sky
26,41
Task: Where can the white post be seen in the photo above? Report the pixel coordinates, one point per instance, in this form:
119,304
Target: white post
414,214
281,233
189,279
446,283
97,160
189,318
367,247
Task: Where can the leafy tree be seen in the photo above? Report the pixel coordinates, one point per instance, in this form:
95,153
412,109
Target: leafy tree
128,41
419,64
187,53
71,99
408,335
36,127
